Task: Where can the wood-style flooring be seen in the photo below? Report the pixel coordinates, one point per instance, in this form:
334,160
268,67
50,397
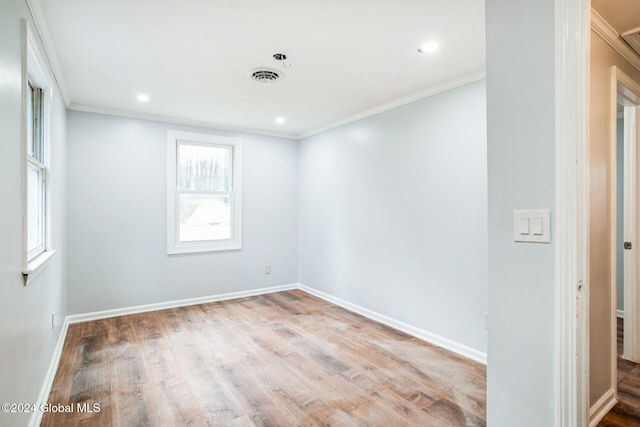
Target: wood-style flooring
626,413
282,359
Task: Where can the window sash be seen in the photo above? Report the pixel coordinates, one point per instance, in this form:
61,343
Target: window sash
36,221
38,199
35,116
227,176
229,166
178,223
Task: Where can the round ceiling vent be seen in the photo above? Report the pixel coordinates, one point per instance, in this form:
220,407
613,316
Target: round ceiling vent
265,75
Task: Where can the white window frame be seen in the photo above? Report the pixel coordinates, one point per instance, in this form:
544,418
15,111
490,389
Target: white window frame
35,73
173,218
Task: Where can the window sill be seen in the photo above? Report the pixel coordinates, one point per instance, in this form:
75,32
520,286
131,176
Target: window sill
36,265
191,249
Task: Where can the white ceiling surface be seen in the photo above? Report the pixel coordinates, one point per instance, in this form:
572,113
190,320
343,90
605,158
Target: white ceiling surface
192,56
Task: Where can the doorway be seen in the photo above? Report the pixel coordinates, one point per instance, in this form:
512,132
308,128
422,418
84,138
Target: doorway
625,251
625,122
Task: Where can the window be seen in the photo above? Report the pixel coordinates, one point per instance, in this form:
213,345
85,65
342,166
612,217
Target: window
36,174
203,193
37,97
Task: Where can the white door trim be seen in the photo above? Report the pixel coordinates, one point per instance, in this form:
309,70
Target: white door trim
630,344
572,26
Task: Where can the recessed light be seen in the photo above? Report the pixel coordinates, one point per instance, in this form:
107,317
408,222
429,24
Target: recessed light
143,98
280,120
428,47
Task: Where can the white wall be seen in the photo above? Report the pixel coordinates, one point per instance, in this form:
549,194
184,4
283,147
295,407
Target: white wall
27,341
393,214
521,375
117,208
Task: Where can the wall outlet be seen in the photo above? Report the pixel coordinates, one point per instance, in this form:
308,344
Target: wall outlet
267,269
53,320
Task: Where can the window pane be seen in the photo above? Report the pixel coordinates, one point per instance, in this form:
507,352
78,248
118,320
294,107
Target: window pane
34,123
30,120
204,217
204,167
35,208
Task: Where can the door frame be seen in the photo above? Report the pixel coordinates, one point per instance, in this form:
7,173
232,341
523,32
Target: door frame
572,38
626,91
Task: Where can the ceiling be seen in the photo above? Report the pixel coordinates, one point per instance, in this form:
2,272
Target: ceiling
622,15
348,58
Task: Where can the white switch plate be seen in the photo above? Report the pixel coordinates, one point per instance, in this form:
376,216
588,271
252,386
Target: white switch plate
535,218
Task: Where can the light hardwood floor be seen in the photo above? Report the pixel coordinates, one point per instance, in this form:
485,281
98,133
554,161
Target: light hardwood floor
283,359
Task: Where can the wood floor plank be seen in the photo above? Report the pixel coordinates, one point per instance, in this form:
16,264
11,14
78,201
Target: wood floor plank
450,414
281,359
626,413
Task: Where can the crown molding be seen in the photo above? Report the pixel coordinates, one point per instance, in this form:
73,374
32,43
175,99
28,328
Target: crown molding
607,33
49,47
434,90
52,56
176,121
452,84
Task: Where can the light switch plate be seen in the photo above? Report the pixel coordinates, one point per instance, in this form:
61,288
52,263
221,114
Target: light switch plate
535,218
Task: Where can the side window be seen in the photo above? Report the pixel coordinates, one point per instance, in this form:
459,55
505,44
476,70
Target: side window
36,86
203,193
36,174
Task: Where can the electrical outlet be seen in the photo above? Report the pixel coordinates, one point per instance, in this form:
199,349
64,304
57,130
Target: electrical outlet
53,320
267,269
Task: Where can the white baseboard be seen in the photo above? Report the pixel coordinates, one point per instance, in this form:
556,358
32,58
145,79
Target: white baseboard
601,407
36,416
96,315
620,313
432,338
396,324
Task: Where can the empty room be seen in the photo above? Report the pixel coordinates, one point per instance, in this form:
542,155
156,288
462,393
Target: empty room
367,213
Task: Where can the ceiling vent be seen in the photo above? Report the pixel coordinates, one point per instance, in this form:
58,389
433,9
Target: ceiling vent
633,39
265,75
